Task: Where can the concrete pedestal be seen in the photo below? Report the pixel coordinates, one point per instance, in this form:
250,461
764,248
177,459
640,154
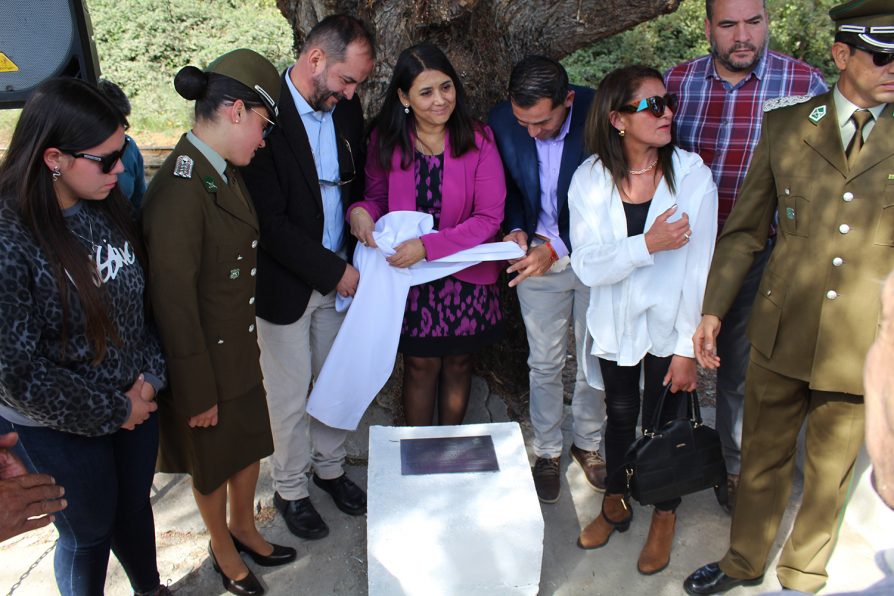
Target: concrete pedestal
462,533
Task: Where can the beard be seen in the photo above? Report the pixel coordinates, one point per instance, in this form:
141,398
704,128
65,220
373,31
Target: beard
322,93
726,59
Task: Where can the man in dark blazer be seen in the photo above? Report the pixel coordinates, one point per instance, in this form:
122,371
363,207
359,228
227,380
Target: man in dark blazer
824,168
301,182
540,132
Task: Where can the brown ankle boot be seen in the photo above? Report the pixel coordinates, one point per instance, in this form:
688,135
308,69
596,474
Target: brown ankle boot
656,552
615,515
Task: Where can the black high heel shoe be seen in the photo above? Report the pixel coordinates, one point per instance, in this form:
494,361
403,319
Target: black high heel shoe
247,586
280,555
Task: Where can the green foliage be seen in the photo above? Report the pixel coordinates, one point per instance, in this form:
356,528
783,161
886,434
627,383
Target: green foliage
800,28
143,43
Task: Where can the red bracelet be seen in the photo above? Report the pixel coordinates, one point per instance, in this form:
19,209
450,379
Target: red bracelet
553,255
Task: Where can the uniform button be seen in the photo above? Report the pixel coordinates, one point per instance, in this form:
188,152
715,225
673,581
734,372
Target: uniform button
843,228
254,270
251,328
219,341
831,294
838,261
848,197
251,300
769,292
238,257
787,191
254,243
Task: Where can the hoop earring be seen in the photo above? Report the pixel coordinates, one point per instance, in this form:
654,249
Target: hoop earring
57,173
406,109
622,132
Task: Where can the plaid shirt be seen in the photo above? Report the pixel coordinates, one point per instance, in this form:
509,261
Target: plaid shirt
722,122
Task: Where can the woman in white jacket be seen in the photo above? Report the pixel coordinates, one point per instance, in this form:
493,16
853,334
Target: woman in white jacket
643,224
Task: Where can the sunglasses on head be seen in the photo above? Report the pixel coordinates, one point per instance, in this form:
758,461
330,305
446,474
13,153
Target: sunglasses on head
655,104
106,162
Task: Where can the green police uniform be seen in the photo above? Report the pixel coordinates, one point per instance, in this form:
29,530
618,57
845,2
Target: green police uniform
815,316
202,234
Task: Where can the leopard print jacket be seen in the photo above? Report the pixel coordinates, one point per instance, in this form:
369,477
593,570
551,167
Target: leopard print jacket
62,389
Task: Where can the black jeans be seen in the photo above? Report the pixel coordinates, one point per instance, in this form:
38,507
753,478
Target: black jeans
622,404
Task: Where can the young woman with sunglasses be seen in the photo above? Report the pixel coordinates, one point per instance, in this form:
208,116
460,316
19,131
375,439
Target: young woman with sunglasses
202,235
79,366
643,223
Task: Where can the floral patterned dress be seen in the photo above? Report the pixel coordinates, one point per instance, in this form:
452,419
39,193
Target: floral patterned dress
447,316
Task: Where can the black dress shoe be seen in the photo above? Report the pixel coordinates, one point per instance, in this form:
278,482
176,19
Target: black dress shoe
710,579
247,586
280,555
301,518
348,497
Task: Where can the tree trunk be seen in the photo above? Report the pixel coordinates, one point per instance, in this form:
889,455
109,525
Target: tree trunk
483,39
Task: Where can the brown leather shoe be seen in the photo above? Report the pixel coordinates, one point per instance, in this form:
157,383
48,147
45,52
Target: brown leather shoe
593,466
546,479
656,552
615,515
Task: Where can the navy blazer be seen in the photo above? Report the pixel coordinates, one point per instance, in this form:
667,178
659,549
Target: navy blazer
282,180
519,155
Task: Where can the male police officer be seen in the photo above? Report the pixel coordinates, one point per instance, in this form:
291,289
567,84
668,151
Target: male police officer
825,168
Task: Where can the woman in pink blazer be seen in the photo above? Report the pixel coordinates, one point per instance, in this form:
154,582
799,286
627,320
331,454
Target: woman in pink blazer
427,154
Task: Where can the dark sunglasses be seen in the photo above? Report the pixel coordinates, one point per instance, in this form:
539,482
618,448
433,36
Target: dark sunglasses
880,59
106,162
655,104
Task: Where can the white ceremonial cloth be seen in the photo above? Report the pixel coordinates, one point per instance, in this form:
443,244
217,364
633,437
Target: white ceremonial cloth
362,356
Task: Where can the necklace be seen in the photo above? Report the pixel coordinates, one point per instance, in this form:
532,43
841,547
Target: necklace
90,240
645,169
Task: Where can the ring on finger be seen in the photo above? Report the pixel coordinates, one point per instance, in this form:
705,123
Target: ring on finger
687,235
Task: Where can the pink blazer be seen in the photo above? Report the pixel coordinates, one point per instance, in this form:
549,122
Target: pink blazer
472,200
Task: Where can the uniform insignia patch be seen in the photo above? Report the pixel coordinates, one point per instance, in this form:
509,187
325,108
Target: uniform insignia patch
890,176
817,114
783,102
209,183
790,213
183,166
234,273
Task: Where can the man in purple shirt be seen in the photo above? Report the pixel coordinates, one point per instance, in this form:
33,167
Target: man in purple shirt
539,132
719,116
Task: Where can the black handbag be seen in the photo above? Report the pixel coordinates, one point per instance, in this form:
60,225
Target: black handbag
682,456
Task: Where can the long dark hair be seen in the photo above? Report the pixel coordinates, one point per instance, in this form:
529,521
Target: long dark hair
72,114
615,90
395,127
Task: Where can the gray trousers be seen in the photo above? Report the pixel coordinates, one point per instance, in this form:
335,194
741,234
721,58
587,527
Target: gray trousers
549,304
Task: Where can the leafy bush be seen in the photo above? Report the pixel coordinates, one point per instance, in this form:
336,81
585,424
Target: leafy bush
800,28
143,43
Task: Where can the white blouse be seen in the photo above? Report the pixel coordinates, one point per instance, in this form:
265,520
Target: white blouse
639,302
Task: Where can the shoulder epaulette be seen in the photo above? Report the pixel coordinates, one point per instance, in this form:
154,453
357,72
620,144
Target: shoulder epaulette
183,166
783,102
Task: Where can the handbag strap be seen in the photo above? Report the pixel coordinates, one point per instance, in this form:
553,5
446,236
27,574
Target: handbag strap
693,407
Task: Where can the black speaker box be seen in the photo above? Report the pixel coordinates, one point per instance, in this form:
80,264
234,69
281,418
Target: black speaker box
40,40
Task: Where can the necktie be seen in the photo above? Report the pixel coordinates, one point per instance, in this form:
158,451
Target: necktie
860,117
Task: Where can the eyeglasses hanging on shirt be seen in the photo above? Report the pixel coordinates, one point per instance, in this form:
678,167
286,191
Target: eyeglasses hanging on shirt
345,177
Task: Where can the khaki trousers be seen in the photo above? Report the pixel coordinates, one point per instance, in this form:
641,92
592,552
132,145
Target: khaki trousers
291,355
775,407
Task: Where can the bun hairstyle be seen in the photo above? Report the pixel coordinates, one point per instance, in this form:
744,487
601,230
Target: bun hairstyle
210,90
191,83
242,74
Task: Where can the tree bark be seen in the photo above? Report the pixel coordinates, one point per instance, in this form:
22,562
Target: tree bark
483,39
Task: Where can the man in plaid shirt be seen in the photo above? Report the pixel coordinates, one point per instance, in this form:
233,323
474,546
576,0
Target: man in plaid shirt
719,116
